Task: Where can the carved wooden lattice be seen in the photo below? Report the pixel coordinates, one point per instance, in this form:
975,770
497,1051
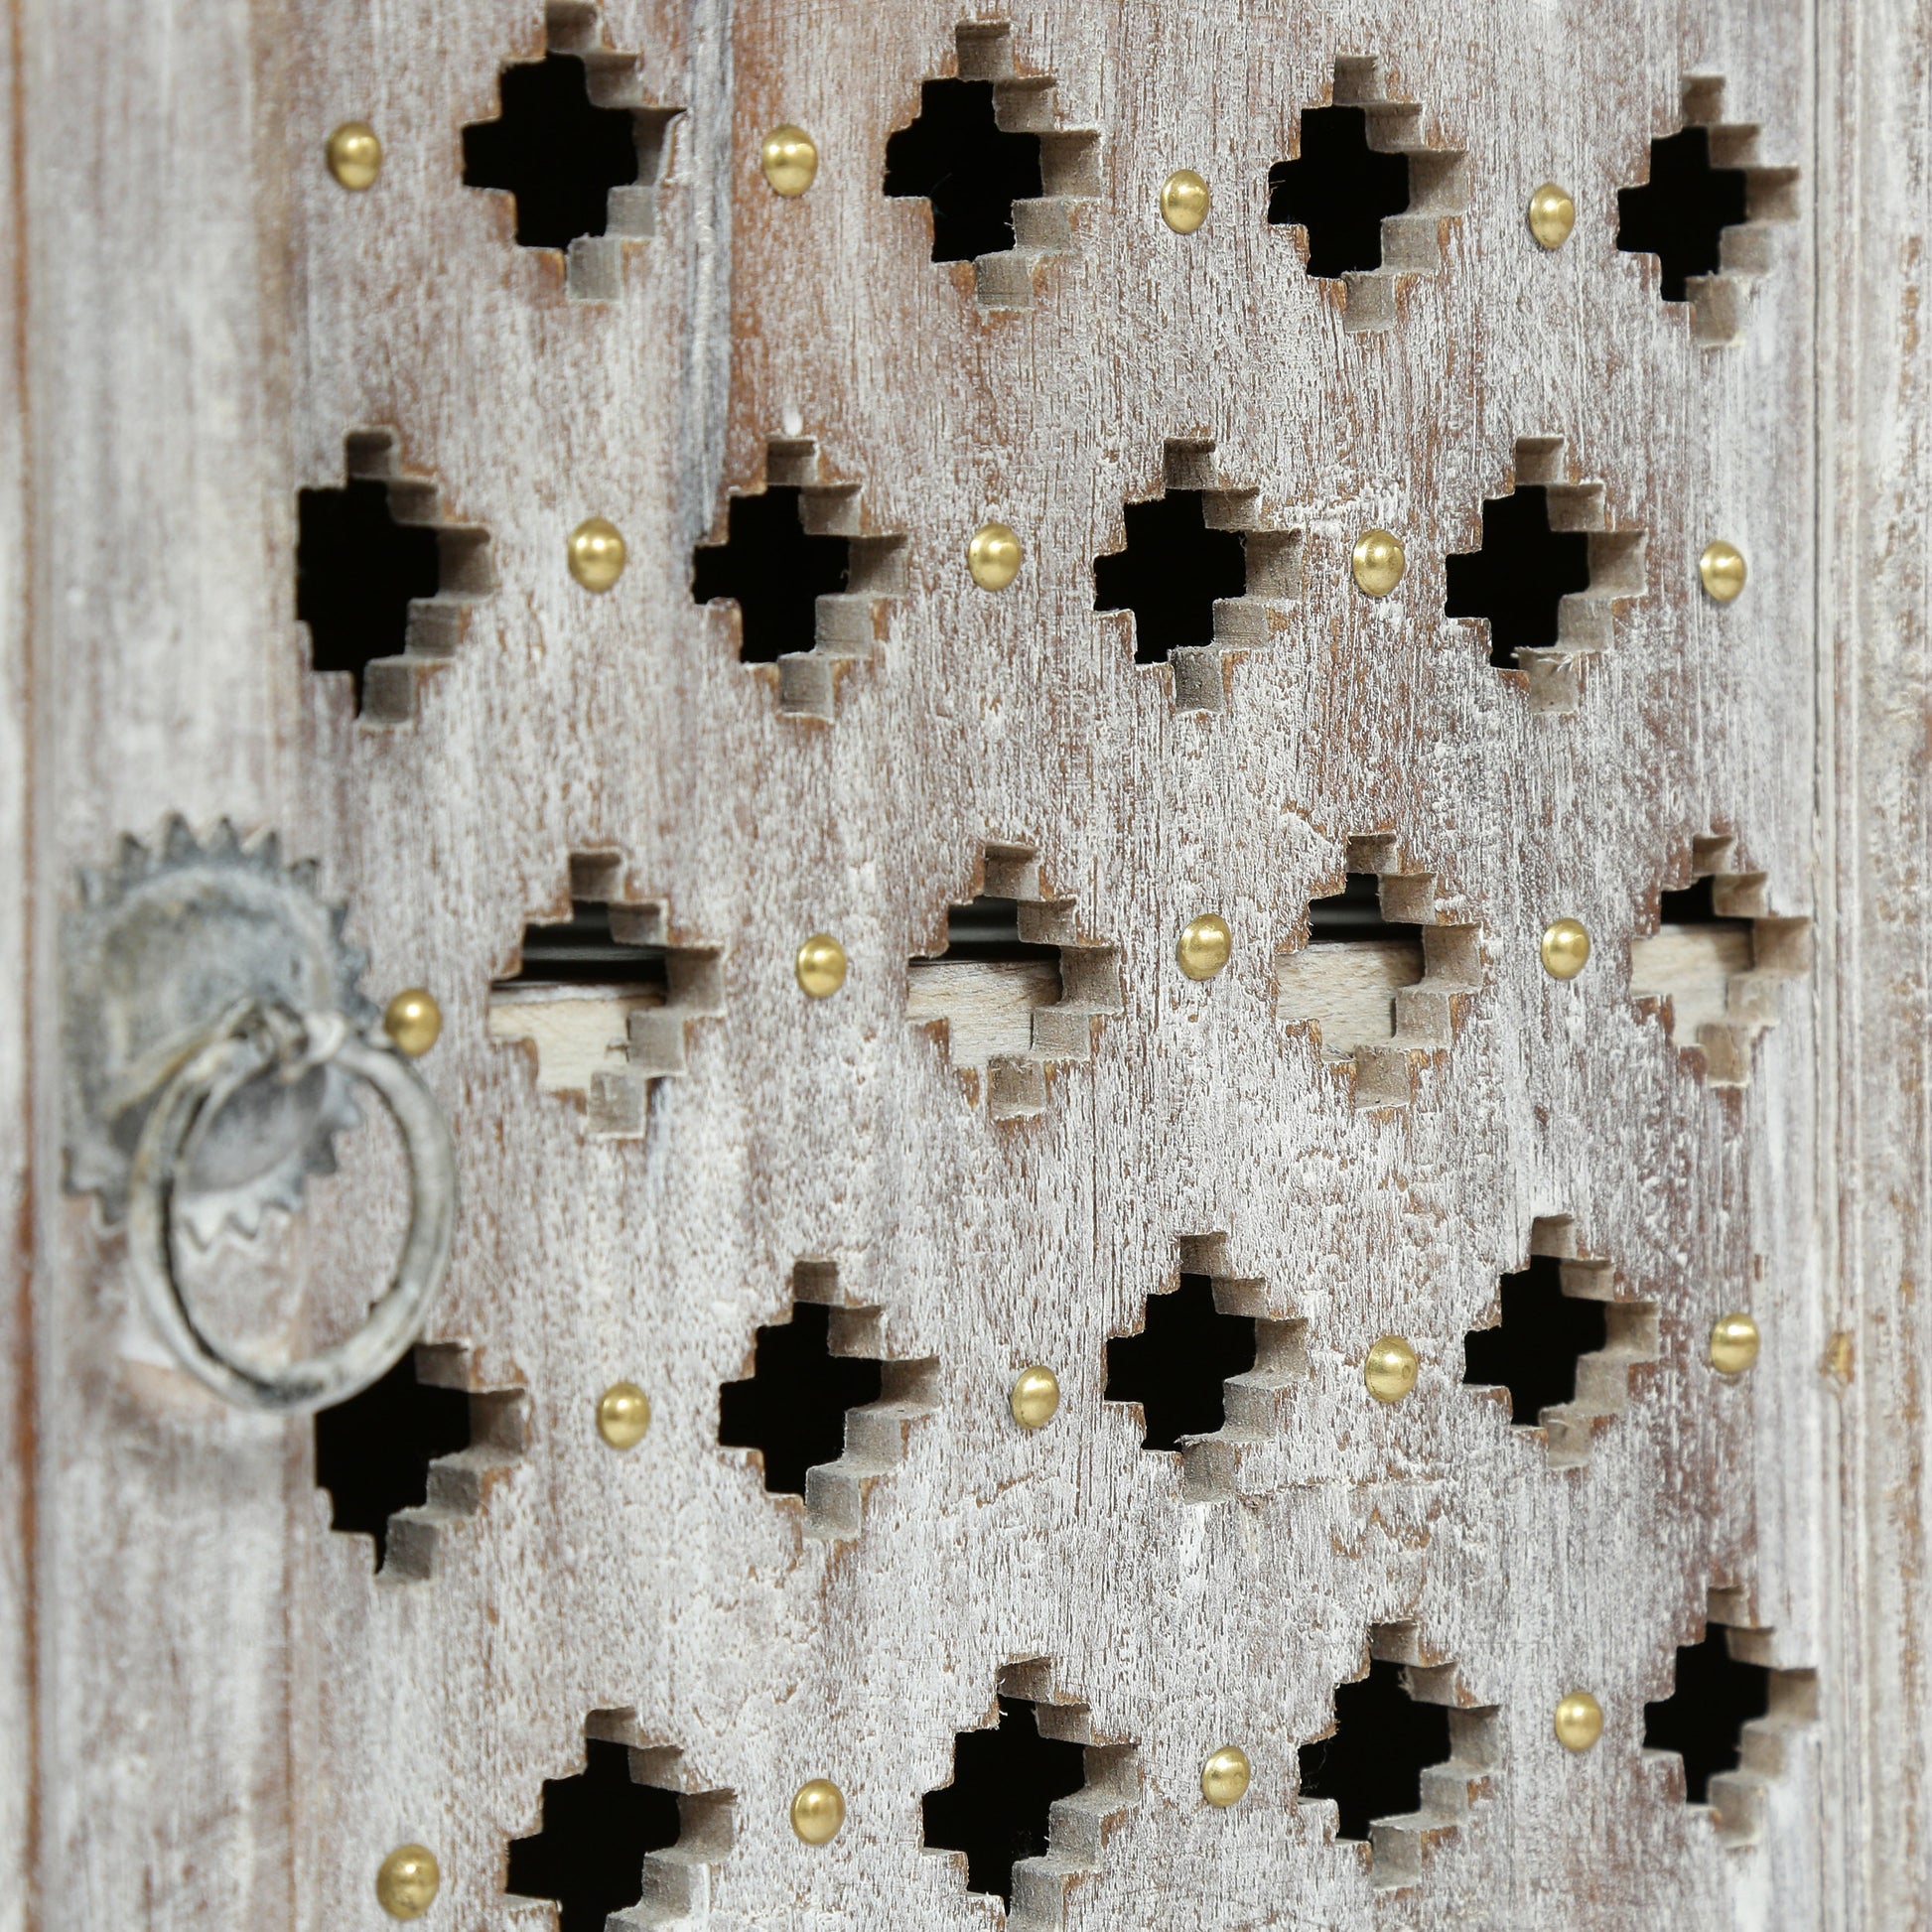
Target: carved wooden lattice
227,1716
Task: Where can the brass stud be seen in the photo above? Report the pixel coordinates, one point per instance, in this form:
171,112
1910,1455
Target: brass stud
1733,1343
1578,1720
622,1415
1565,948
1721,565
1552,215
790,158
1205,945
994,556
408,1882
1378,562
820,966
356,155
413,1021
1183,201
1035,1397
1224,1777
1390,1370
817,1810
596,553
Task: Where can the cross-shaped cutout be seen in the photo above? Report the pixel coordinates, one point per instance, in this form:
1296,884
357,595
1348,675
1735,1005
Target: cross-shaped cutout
799,577
1196,576
1368,193
999,174
577,148
627,1831
1517,581
1705,211
825,1407
604,995
1032,1798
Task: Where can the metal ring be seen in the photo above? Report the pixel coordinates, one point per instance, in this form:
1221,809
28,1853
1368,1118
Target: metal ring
255,1041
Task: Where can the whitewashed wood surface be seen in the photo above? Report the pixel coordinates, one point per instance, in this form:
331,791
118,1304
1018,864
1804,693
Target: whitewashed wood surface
216,1716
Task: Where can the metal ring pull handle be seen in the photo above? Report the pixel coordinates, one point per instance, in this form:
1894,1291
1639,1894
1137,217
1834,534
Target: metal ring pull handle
254,1042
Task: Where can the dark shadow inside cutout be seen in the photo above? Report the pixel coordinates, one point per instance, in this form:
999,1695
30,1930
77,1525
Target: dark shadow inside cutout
1355,913
792,1408
1703,1720
356,573
1679,215
1170,574
1372,1763
598,1827
1696,905
998,1808
776,570
988,930
1534,1350
1176,1366
1518,579
1341,190
583,951
958,156
554,149
373,1451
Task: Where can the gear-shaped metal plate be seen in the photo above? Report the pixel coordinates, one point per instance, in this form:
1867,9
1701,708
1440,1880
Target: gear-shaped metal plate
162,945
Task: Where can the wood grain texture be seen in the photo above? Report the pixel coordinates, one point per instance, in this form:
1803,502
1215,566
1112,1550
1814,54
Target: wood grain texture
240,1720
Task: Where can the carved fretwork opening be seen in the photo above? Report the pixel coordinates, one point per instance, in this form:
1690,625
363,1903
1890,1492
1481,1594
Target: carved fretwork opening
1559,1352
623,1841
1016,998
1030,1799
1549,575
999,176
800,575
1517,581
577,147
1341,190
380,580
1403,1759
1367,192
415,1453
1720,1735
1716,960
1207,1369
1378,1004
1705,211
1176,1366
604,993
1196,576
824,1408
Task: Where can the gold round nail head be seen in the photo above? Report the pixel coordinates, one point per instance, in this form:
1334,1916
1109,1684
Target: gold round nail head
622,1415
1721,565
1733,1343
1565,948
1378,562
596,553
1390,1370
994,556
1552,215
820,966
1204,947
356,155
1034,1398
413,1021
1185,200
408,1882
790,158
1578,1720
1224,1777
817,1810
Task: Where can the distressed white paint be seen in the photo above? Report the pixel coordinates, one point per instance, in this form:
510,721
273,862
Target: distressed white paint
232,1720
